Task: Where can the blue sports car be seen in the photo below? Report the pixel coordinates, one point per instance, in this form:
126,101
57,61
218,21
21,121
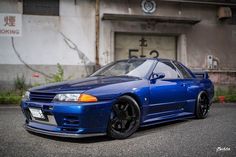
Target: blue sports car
118,99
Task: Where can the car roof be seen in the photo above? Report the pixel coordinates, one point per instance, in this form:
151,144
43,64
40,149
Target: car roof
157,59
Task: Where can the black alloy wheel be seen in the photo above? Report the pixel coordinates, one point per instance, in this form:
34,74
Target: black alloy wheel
124,119
202,106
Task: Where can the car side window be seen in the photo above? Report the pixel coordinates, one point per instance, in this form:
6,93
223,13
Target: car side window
168,69
184,71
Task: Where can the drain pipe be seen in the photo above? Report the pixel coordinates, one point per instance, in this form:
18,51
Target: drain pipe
97,12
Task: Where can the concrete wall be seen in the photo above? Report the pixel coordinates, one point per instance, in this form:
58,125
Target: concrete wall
41,35
9,73
42,45
209,37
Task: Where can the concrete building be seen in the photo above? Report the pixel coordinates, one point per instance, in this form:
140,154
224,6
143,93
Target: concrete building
200,34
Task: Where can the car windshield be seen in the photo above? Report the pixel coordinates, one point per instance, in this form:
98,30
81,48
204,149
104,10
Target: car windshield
135,68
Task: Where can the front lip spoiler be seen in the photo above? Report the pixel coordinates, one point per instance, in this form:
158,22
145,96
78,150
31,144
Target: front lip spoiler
59,134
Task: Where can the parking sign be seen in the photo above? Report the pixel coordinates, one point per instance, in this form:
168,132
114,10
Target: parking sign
10,24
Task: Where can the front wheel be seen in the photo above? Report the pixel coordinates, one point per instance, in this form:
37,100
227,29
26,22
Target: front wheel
124,119
202,105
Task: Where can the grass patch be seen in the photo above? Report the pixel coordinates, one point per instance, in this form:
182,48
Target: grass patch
229,93
10,98
20,86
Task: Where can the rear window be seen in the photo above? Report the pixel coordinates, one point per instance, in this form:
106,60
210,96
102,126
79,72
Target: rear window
183,70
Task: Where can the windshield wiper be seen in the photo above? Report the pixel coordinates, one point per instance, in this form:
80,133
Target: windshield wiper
98,75
129,76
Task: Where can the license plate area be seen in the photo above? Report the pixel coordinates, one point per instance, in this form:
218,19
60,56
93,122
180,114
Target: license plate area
37,113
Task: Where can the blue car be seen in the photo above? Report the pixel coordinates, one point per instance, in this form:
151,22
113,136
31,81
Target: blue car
118,99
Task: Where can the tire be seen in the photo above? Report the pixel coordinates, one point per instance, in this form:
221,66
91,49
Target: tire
124,119
202,105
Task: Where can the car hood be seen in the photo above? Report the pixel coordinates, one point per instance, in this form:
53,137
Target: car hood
82,85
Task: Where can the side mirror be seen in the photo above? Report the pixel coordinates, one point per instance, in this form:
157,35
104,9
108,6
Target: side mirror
156,76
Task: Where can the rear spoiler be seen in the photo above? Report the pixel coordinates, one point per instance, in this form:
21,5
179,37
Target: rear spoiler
201,75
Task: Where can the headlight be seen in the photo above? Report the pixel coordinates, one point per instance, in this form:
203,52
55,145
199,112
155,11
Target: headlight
75,98
66,97
26,95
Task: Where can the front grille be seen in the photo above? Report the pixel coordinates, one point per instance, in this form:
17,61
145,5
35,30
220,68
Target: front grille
42,97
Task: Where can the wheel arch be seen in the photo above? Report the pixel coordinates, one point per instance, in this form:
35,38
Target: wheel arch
135,97
203,92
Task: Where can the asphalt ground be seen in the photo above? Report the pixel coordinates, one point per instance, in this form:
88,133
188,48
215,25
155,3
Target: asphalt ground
213,136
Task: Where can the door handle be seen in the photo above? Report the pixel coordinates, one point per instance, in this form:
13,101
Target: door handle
183,84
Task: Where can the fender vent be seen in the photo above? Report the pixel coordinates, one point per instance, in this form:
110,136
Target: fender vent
71,121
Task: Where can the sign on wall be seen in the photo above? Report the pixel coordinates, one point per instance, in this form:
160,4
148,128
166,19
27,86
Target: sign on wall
148,6
10,25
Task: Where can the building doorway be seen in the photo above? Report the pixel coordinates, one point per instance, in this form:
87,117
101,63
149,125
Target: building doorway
132,45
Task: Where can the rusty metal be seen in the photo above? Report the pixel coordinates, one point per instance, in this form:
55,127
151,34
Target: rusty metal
97,8
152,18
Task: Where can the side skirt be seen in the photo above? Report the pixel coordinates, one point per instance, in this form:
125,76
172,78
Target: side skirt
154,122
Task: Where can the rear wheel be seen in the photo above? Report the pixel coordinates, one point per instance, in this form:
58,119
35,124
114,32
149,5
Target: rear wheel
124,119
202,106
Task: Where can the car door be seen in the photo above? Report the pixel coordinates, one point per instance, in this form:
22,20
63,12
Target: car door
191,84
167,95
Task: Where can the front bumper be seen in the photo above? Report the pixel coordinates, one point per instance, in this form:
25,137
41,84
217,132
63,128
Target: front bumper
70,119
61,134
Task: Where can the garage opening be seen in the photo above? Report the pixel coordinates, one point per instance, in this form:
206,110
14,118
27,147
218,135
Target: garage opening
144,45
